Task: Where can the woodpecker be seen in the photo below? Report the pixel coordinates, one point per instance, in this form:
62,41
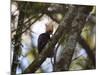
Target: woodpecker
44,38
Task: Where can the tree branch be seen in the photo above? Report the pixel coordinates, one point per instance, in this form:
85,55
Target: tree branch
88,50
30,24
53,18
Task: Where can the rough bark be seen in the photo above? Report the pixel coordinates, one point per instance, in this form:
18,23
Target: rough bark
73,36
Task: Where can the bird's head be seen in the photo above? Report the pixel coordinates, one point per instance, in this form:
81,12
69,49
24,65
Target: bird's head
49,28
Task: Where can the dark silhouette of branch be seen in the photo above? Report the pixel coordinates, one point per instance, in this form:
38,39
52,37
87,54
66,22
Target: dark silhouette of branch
30,24
88,50
24,23
77,58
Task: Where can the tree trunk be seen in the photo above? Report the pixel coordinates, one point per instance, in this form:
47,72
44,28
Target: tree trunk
17,41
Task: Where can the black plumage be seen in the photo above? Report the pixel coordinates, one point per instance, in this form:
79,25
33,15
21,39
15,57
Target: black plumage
44,38
42,41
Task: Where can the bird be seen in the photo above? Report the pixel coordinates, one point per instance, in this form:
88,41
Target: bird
44,38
